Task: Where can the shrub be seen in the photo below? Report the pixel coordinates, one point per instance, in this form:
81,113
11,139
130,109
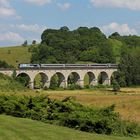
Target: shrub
68,113
74,86
9,84
116,86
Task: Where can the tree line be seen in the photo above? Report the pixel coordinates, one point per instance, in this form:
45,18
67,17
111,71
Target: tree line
65,46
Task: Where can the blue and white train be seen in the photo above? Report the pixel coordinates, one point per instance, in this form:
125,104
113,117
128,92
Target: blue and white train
39,66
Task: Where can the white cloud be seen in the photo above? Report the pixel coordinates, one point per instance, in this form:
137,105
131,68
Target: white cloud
64,6
6,12
130,4
122,29
39,2
11,36
4,3
30,28
17,33
5,9
23,27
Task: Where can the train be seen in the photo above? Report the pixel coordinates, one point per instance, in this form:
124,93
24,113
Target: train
39,66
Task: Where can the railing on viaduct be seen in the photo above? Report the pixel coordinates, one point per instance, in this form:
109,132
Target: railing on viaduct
47,71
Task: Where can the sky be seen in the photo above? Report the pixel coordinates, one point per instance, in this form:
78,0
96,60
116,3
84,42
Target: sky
22,20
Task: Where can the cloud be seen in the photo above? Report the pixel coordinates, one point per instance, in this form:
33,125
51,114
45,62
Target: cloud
4,3
11,36
17,33
130,4
39,2
64,6
30,28
23,27
122,29
6,10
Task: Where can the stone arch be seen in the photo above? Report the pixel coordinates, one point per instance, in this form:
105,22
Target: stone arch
114,76
103,78
58,80
40,80
73,78
25,79
89,79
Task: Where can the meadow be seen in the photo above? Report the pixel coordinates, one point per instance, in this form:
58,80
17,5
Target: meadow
15,55
12,128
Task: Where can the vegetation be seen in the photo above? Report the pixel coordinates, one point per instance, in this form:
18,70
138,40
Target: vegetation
65,46
16,55
116,86
68,113
129,59
91,45
83,45
3,64
9,84
12,128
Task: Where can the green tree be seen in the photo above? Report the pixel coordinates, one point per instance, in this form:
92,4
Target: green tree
25,43
34,42
116,86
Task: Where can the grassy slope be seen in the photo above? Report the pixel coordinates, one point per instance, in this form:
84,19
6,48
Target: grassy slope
15,55
116,45
24,129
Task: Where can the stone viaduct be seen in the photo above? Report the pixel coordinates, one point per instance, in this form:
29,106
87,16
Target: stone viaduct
105,71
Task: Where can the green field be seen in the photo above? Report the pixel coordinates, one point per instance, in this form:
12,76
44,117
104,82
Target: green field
24,129
15,55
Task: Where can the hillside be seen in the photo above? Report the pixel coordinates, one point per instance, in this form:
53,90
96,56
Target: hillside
116,46
24,129
15,55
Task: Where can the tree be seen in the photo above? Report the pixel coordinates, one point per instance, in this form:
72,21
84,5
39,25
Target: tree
25,43
64,28
4,64
116,86
14,74
34,42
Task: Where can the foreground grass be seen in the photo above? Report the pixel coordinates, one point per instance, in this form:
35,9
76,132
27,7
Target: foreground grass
12,128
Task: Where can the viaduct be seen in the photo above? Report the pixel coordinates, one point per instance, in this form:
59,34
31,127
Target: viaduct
79,72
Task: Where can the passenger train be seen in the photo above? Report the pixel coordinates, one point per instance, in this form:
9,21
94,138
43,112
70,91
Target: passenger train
39,66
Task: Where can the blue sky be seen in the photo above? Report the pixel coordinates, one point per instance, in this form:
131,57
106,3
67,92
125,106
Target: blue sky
22,20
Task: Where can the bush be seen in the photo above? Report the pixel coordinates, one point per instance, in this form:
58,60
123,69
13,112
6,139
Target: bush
74,86
116,86
9,84
68,113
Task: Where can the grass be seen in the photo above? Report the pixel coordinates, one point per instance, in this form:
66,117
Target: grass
15,55
116,46
12,128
